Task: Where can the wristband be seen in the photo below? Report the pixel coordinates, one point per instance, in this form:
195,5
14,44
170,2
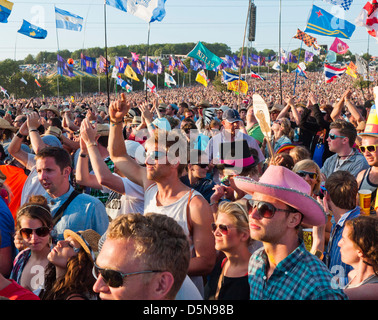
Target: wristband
113,123
82,155
31,130
93,144
18,134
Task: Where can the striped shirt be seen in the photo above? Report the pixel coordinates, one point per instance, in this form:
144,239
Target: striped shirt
332,256
300,276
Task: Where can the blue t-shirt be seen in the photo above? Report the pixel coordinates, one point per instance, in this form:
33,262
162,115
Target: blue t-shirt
6,225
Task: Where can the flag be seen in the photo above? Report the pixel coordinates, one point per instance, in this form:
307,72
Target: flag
63,68
323,23
115,73
134,56
23,80
5,10
104,65
200,52
256,75
292,58
129,72
331,73
361,64
121,63
229,77
331,57
368,18
308,56
351,70
345,4
4,91
38,84
168,79
339,46
160,67
300,71
276,66
234,86
307,39
147,10
202,78
68,20
88,64
32,31
150,85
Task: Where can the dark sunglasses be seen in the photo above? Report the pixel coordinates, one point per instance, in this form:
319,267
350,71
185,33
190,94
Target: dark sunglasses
201,165
265,209
333,136
371,148
115,278
303,174
40,232
224,229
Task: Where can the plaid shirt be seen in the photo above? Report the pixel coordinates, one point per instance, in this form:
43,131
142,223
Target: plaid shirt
300,276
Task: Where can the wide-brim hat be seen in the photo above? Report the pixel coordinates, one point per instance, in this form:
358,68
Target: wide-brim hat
103,129
371,127
88,239
53,109
284,185
54,131
4,124
204,104
137,120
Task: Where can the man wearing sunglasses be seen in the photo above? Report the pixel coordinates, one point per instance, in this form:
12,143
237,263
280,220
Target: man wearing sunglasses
341,139
164,191
280,202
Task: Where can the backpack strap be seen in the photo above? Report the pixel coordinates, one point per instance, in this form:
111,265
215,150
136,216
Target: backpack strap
63,207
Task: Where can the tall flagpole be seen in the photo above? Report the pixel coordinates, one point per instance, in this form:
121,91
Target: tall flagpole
296,73
146,62
57,42
279,47
106,57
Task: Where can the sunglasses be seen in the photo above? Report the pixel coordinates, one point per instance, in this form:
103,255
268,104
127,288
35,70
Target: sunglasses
201,165
265,209
371,148
115,278
40,232
224,229
303,174
156,155
333,136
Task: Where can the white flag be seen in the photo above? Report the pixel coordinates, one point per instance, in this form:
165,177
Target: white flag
23,80
115,73
276,66
168,79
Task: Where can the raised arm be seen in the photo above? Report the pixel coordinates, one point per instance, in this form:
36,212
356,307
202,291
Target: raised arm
117,149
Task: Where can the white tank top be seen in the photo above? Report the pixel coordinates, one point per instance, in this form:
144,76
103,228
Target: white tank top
176,210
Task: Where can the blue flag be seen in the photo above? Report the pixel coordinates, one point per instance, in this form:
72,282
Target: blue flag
88,64
68,20
323,23
147,10
5,10
201,53
229,77
62,68
32,31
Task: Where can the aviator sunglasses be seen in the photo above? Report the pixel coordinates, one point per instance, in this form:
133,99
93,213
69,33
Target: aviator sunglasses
40,232
303,174
371,148
115,278
224,229
265,209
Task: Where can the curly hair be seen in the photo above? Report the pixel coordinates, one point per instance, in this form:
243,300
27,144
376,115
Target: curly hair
364,233
78,279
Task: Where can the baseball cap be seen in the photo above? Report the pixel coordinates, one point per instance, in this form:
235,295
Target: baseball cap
231,115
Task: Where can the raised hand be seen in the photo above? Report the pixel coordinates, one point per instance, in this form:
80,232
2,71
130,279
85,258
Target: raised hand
118,109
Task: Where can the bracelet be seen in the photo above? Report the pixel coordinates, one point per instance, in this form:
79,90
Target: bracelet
18,134
31,130
113,123
93,144
82,155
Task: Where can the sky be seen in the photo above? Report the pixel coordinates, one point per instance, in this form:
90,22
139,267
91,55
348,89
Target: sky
210,21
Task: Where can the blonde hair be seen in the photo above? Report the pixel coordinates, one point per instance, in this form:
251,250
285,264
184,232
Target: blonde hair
309,164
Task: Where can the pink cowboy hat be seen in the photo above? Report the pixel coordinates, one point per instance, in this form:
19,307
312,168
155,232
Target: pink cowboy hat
286,186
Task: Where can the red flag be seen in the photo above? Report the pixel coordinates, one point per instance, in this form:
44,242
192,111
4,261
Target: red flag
368,18
339,46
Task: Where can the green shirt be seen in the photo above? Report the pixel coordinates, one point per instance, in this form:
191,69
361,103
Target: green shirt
256,133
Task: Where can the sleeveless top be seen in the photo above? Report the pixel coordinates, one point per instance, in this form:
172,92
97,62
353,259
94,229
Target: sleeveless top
366,184
178,211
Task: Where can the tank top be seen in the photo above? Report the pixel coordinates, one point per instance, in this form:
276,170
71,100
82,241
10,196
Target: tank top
367,184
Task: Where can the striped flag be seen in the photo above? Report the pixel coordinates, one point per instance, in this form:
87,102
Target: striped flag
256,75
331,73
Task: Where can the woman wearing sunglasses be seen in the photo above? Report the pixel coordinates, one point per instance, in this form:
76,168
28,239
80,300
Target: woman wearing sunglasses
229,279
34,223
68,275
310,171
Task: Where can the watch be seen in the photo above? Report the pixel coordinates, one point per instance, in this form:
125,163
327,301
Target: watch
18,134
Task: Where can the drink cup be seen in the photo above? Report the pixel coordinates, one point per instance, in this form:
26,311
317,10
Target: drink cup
365,201
307,238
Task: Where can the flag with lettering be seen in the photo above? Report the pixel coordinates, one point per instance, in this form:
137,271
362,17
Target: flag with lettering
200,52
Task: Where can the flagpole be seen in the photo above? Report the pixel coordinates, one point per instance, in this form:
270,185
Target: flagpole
57,42
146,63
106,56
279,47
296,73
241,56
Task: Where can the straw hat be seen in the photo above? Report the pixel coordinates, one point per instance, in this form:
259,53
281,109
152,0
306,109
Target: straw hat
103,129
4,124
53,109
137,120
284,185
88,239
204,104
53,131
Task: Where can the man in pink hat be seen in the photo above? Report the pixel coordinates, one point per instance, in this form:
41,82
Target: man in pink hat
283,269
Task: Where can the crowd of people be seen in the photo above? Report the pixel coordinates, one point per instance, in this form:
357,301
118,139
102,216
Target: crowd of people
184,195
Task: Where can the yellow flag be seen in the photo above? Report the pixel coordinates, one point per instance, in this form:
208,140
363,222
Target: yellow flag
234,86
202,78
351,70
130,73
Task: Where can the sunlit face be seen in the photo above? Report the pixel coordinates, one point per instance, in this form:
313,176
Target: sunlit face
337,144
370,156
348,249
157,164
63,251
34,242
